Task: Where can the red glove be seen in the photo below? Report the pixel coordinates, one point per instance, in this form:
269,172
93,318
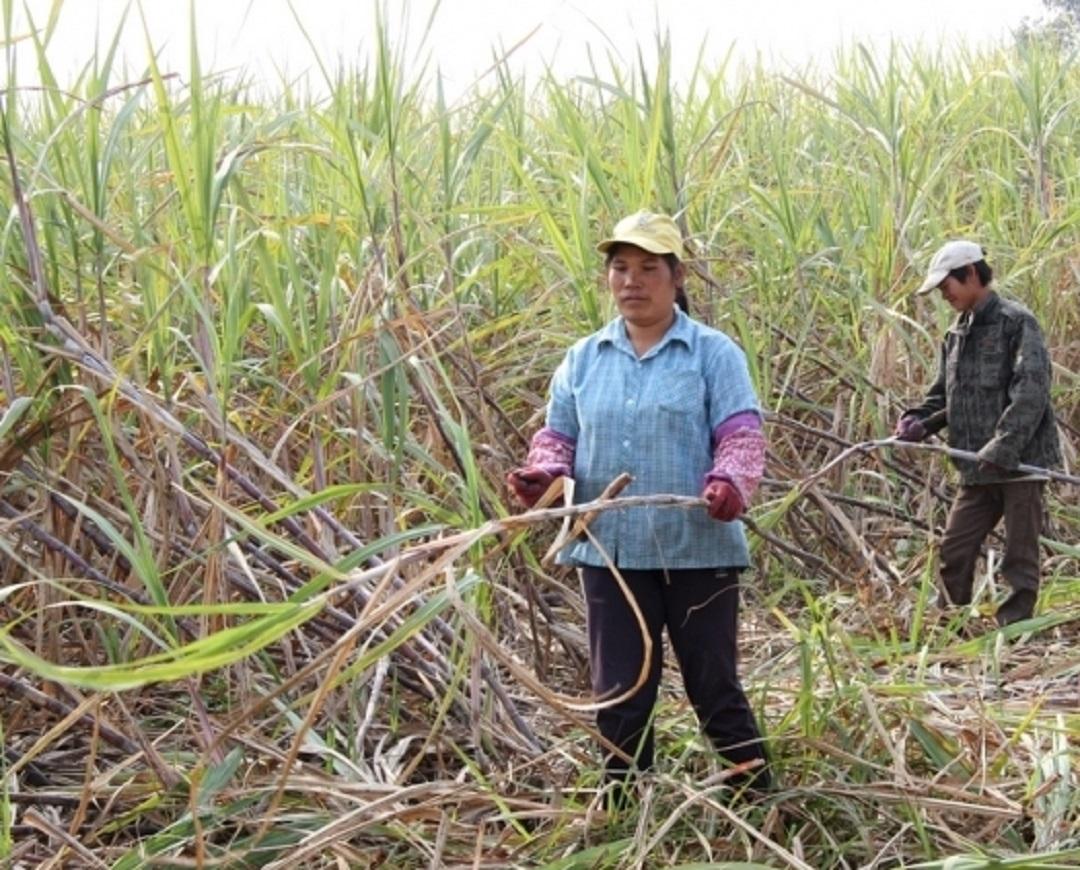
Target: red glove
529,483
910,428
724,501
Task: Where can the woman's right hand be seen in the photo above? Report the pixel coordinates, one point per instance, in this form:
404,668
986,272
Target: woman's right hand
529,483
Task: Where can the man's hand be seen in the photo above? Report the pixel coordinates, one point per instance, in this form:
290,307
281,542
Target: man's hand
724,501
910,428
529,483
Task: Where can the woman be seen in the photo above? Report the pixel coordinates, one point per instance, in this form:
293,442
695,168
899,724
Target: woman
669,400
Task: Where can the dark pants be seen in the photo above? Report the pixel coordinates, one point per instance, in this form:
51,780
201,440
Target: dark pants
700,609
973,515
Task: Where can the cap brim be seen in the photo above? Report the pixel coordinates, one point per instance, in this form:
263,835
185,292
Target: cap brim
932,280
646,244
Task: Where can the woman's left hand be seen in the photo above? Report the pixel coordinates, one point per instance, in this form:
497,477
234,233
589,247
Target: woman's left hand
724,501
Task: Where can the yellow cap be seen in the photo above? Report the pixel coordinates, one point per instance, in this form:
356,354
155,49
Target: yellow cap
655,233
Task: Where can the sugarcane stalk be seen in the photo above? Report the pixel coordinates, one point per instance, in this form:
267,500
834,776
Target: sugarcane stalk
952,452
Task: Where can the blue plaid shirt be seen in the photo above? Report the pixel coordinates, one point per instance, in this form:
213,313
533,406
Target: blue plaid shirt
652,417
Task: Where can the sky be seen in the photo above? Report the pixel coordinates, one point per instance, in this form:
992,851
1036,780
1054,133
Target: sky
263,37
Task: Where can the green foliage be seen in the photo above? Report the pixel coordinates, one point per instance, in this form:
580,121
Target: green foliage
1060,26
276,345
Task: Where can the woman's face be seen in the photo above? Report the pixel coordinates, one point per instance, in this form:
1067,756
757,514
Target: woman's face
643,285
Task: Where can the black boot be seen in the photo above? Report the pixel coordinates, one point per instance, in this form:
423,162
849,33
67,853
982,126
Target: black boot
1020,605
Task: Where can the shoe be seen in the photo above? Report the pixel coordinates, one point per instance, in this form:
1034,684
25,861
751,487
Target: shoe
945,601
1018,606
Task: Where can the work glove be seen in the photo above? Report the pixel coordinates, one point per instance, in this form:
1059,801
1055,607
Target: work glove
723,501
910,428
529,483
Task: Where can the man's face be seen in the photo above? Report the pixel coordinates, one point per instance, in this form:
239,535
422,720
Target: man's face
963,295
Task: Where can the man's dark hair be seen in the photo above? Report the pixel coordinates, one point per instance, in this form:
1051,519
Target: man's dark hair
672,261
982,269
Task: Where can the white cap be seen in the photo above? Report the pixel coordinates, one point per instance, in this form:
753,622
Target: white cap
951,255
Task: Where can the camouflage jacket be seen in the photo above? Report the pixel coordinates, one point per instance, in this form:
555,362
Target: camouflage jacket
992,391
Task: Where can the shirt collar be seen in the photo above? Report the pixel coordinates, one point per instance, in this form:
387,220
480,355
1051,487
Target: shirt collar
682,330
979,313
985,308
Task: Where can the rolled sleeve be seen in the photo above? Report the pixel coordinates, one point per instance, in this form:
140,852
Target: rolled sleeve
739,454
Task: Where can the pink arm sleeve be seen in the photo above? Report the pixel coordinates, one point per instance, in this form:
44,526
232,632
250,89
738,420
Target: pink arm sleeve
739,454
553,452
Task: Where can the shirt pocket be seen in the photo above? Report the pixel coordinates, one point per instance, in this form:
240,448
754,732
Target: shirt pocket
992,371
682,393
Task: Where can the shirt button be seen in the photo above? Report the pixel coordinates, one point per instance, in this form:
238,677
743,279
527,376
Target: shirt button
630,403
626,443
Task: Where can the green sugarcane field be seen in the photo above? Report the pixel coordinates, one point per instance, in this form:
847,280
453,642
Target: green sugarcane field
269,351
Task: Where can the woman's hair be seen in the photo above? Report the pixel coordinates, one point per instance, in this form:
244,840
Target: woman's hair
673,262
982,269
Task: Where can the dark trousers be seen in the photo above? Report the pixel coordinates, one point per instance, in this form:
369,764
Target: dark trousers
700,609
973,515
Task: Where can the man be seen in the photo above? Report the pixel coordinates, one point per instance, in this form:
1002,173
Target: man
992,391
